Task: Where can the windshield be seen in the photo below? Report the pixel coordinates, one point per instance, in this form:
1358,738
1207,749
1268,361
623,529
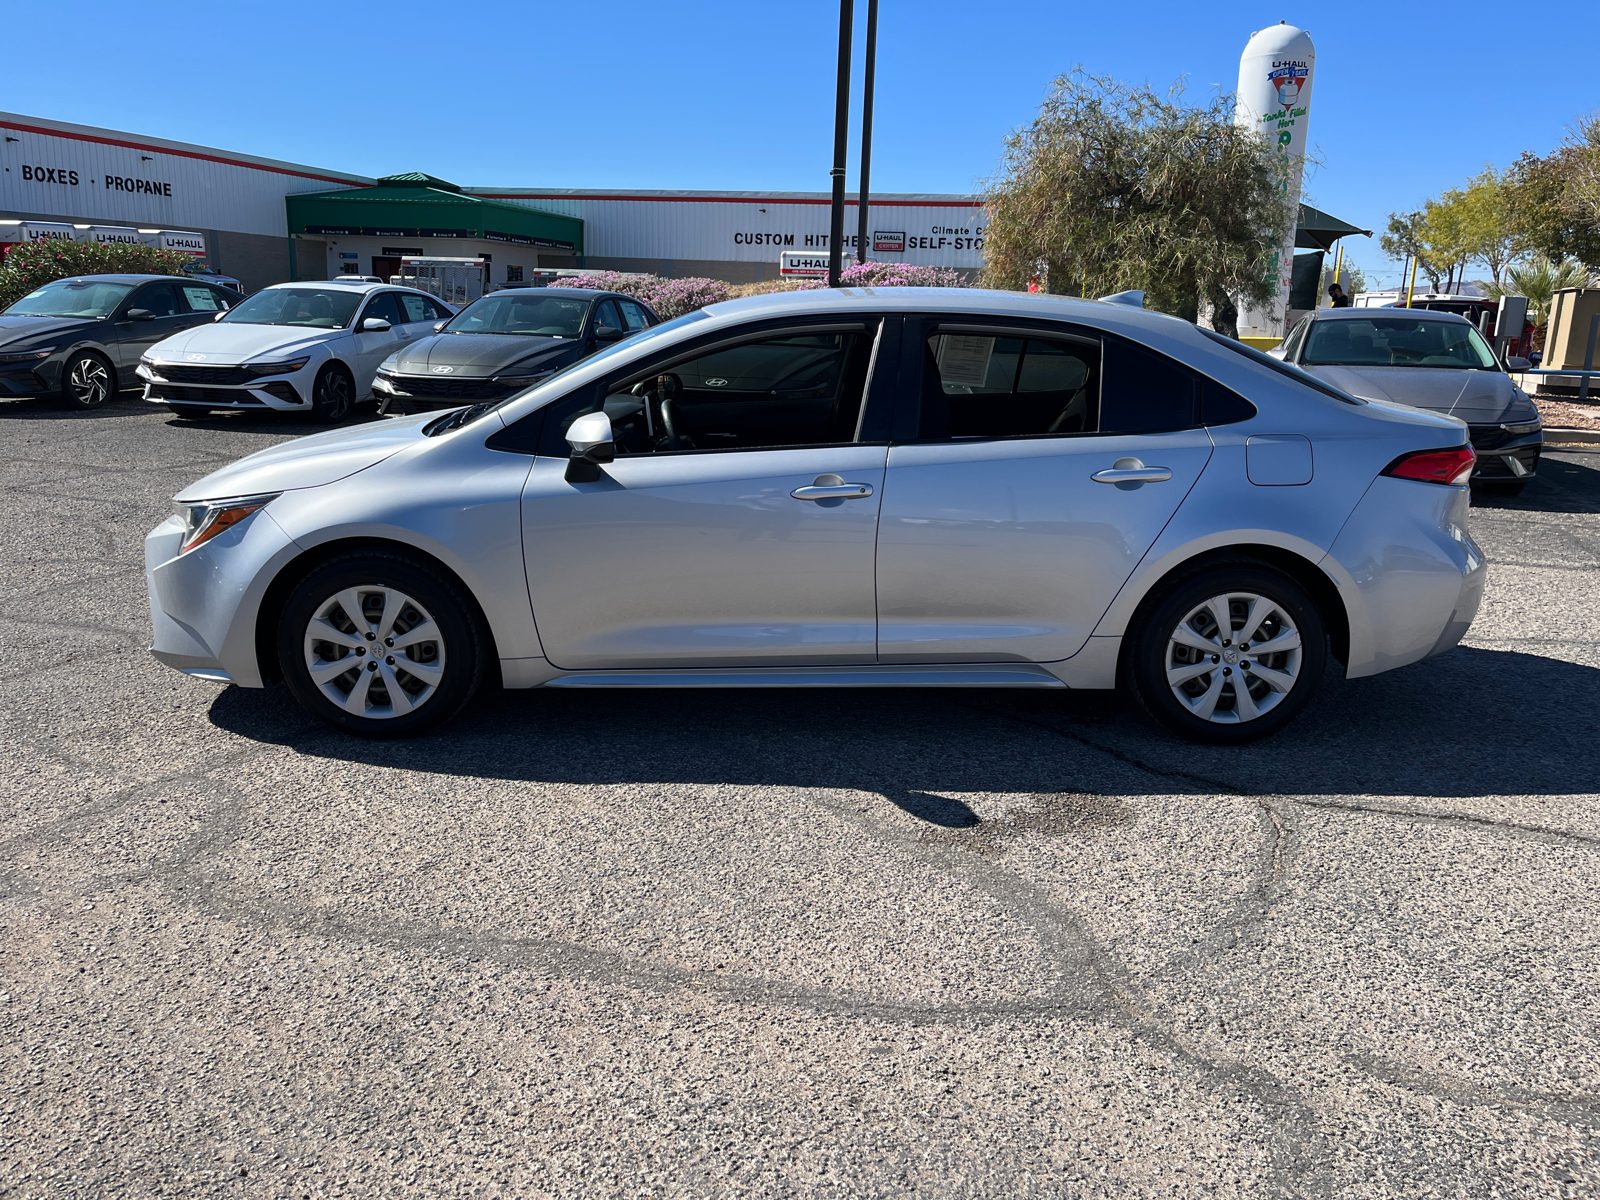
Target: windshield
1398,342
316,308
71,298
522,313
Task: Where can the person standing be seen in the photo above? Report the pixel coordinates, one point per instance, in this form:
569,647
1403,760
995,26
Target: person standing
1336,297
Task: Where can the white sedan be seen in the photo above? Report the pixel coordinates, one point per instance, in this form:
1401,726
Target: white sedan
294,347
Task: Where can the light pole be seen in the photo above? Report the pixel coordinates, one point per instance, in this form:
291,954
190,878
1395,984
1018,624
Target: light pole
868,70
841,138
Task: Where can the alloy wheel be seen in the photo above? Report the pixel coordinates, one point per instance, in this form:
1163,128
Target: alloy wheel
90,381
333,396
374,652
1234,658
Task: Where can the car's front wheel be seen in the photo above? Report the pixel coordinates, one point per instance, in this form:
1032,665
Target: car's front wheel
1228,655
380,645
87,381
332,395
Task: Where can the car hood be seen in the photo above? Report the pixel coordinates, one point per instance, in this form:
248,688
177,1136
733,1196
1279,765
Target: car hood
309,461
22,332
235,342
474,355
1476,397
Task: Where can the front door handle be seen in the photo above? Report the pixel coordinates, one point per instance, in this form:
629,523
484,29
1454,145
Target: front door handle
1131,470
832,487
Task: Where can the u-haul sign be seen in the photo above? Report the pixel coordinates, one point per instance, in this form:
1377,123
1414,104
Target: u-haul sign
802,264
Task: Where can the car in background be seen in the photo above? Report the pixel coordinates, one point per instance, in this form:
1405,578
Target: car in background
212,275
1431,360
310,348
504,342
892,487
79,340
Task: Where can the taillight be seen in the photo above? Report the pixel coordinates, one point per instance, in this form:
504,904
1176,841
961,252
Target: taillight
1452,466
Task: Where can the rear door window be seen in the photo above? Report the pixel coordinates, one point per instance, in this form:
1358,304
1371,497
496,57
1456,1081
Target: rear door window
415,307
986,386
634,315
202,299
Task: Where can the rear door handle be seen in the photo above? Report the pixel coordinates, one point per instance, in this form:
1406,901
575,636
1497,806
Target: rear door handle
832,491
1131,470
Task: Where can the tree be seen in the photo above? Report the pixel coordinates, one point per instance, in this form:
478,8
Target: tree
1583,178
1489,234
31,265
1405,238
1113,187
1544,207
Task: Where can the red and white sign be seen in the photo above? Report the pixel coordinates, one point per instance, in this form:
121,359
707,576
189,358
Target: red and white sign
884,242
802,264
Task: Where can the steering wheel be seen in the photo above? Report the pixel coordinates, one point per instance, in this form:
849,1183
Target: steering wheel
667,387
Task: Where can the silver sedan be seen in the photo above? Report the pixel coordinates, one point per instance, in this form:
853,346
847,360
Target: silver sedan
937,488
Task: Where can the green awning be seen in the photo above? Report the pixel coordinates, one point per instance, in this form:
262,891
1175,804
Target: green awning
1317,230
420,206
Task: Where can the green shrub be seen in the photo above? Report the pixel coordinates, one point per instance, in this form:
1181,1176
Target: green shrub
31,265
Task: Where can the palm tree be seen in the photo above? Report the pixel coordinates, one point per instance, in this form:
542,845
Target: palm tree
1539,279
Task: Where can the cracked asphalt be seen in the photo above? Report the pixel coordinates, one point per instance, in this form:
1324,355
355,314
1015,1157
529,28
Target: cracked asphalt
738,944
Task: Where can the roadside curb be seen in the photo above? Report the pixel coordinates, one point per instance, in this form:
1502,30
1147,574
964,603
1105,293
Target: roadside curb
1584,437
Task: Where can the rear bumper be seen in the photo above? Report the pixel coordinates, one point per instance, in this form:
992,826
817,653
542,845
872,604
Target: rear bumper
1409,572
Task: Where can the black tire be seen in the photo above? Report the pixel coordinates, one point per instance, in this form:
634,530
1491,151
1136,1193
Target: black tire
87,381
332,395
425,596
1152,636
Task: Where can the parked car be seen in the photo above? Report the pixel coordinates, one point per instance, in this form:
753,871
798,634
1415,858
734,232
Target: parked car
504,342
1432,360
902,487
212,275
80,339
294,347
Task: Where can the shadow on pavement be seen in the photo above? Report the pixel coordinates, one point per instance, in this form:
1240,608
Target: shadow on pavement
1473,722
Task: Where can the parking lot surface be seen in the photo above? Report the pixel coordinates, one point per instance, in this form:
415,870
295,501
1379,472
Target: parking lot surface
794,944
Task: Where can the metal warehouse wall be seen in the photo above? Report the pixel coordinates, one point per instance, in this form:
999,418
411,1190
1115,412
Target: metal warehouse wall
711,228
101,176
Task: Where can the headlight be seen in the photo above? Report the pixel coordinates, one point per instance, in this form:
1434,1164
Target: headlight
203,521
284,368
1526,427
26,356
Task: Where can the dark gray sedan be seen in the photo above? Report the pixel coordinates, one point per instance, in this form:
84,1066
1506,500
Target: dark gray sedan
504,342
79,339
1431,360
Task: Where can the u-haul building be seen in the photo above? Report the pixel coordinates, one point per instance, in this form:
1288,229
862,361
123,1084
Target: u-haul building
265,221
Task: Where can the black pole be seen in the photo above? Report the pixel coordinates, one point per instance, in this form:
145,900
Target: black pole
841,138
866,129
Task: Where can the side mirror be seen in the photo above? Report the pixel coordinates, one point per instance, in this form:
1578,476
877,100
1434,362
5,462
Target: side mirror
1518,363
604,333
141,314
374,325
220,315
438,326
1536,358
590,439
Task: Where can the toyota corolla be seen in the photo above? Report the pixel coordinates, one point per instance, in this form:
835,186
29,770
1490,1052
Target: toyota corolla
937,488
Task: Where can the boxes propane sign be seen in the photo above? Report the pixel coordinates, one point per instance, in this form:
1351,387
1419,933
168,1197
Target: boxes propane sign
802,264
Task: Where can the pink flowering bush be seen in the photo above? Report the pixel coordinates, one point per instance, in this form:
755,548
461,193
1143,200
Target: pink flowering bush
891,274
31,265
669,297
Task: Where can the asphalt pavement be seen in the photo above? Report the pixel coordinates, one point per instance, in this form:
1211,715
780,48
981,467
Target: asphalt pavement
741,944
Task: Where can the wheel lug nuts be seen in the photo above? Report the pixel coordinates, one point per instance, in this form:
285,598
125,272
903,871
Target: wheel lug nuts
372,637
390,660
360,650
373,665
388,641
1227,670
1216,658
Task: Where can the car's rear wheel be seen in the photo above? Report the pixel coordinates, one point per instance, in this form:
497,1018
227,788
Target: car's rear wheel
1227,655
381,645
87,381
332,395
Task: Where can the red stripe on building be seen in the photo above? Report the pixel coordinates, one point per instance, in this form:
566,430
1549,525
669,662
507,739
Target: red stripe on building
871,203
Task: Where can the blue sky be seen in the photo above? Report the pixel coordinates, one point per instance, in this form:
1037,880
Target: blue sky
1410,98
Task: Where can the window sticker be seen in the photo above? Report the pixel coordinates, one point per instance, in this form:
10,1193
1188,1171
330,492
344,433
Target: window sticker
201,299
964,361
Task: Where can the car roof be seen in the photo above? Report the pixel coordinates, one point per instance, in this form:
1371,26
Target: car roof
1356,314
1040,305
115,278
354,285
571,293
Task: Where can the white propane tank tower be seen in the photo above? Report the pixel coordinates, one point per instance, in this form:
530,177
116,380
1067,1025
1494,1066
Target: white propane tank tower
1274,98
